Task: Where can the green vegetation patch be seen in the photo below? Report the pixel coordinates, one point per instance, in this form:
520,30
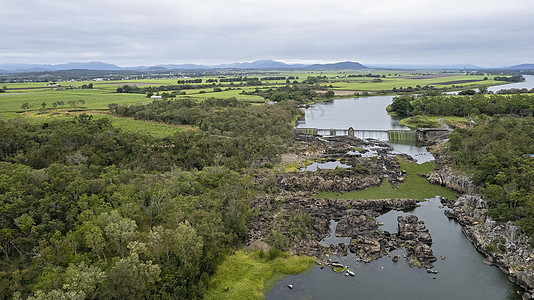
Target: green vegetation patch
423,121
156,130
415,186
246,275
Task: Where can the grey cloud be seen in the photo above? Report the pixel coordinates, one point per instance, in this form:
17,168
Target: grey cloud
161,31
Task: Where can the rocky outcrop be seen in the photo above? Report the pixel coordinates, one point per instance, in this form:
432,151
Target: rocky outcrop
503,243
415,237
305,181
368,248
453,180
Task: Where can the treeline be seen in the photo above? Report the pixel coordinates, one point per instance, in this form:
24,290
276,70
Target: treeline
238,79
450,105
513,78
187,81
498,151
367,75
515,91
427,89
241,78
133,89
91,212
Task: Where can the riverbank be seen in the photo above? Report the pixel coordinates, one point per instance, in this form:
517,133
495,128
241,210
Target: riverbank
501,242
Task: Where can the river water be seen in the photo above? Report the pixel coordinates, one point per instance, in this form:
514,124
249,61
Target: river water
367,113
462,274
528,83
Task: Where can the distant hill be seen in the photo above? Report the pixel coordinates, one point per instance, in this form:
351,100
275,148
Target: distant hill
347,65
95,65
522,67
183,67
424,67
260,64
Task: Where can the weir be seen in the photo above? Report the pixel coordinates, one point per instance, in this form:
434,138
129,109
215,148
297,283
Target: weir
384,135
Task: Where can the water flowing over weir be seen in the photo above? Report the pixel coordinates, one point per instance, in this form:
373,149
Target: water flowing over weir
383,135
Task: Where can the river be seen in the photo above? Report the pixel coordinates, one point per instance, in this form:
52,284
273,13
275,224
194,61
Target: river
462,274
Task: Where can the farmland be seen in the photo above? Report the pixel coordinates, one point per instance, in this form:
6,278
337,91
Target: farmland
52,99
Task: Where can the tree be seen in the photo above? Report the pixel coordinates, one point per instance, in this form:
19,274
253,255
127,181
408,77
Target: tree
329,94
402,105
25,106
131,278
118,230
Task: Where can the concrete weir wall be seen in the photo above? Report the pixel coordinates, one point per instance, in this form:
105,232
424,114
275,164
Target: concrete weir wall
419,135
430,134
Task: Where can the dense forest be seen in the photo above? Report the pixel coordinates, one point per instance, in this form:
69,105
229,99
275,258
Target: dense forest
499,151
91,212
451,105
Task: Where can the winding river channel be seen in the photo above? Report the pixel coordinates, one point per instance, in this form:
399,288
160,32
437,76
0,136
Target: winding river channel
462,272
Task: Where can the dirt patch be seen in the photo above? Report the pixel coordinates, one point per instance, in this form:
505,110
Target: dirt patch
457,82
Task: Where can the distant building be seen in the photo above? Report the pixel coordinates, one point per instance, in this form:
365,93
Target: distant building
156,97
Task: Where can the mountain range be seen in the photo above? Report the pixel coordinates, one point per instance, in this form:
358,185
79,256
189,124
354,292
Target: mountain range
260,64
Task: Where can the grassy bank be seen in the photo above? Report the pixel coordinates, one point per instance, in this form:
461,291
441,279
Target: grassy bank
415,186
422,121
248,275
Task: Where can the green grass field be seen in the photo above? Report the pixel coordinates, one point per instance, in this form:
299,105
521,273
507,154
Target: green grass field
415,186
244,275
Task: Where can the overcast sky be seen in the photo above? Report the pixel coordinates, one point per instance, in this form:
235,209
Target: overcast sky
488,33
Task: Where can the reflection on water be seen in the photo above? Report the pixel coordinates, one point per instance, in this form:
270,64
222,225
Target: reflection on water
462,275
359,113
333,239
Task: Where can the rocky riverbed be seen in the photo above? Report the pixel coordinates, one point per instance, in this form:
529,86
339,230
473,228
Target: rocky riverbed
296,220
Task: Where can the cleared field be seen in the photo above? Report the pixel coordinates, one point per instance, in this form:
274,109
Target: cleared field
94,99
